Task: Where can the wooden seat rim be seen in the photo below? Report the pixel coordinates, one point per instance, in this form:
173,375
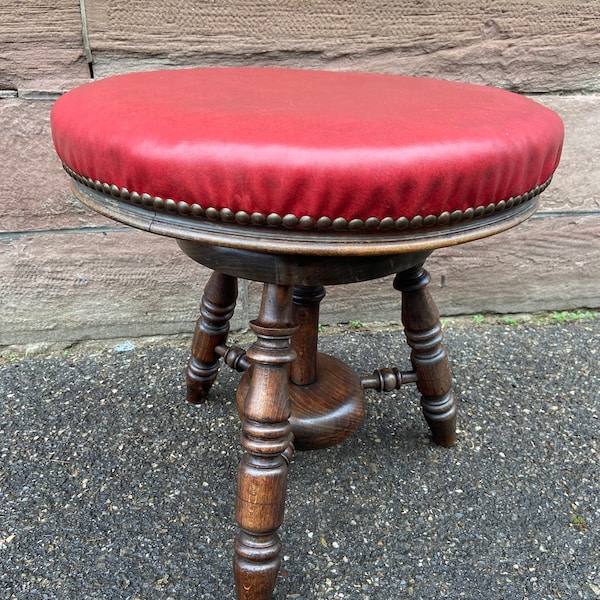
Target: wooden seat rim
315,243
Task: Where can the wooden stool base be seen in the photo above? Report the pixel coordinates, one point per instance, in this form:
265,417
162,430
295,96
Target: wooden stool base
292,397
326,412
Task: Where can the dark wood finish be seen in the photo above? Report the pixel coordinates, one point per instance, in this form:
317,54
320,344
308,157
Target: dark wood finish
266,436
305,312
324,412
329,410
293,398
234,357
299,269
388,379
423,330
216,309
327,401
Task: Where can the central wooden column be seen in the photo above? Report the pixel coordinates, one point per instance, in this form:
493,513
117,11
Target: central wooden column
305,311
266,436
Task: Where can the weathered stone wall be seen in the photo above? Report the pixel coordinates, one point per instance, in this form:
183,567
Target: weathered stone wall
67,274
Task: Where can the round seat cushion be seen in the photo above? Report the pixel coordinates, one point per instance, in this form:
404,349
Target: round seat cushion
306,149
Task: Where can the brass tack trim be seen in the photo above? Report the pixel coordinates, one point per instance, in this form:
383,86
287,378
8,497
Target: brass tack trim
184,208
340,224
324,223
147,199
387,223
291,221
306,222
242,217
227,215
274,220
444,218
372,223
258,218
430,221
402,223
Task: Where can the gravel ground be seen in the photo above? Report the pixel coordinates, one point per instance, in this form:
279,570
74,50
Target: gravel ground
112,487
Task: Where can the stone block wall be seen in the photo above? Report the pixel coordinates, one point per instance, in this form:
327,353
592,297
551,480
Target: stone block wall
68,275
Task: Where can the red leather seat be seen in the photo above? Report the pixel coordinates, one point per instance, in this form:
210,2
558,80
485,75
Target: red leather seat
307,149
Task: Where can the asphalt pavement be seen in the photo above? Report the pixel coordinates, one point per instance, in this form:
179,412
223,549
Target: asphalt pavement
112,487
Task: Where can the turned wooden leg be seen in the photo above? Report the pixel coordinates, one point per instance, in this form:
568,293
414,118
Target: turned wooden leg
266,436
424,335
216,309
